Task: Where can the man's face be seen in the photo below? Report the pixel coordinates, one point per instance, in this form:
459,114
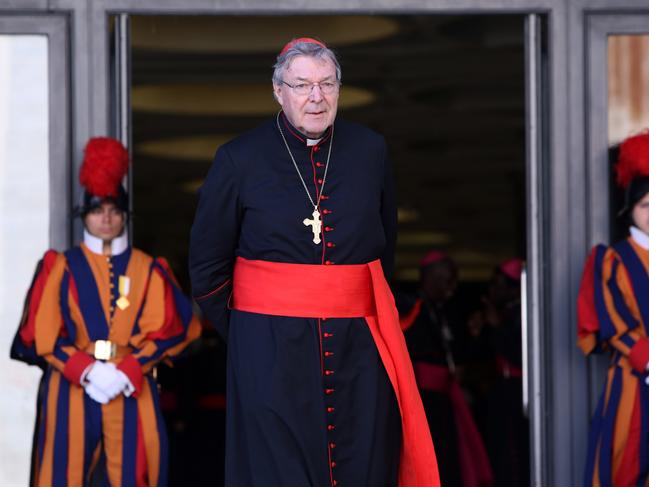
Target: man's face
501,291
311,114
105,222
439,281
640,214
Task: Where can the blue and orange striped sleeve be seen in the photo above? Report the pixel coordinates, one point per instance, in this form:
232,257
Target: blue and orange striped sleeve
23,347
619,314
52,340
587,312
165,327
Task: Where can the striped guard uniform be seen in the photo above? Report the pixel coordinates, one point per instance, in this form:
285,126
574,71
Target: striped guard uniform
613,310
70,305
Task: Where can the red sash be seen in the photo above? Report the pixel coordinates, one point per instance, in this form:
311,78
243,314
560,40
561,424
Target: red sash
280,289
476,470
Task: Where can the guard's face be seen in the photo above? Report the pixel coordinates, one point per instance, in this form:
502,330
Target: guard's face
640,214
105,222
312,113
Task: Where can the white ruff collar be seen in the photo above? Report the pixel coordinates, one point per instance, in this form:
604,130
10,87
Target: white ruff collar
96,245
310,142
639,237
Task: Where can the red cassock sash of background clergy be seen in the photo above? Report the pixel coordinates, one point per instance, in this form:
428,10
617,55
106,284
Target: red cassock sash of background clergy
353,291
474,461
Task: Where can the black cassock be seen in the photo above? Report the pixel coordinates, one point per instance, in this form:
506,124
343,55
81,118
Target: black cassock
309,402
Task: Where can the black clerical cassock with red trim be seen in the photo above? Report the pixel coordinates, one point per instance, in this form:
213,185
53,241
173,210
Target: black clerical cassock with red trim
309,401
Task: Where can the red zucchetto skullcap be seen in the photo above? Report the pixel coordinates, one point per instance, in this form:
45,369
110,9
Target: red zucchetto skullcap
633,160
512,268
308,40
105,163
432,257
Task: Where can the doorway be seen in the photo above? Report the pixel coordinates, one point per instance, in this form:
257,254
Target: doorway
447,92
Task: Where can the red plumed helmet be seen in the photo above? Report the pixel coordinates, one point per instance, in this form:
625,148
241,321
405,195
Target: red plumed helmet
105,163
633,160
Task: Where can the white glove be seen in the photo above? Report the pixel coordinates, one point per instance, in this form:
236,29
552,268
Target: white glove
95,393
120,384
105,378
130,388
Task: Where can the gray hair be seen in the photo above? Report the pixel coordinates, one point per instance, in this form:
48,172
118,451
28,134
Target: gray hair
310,49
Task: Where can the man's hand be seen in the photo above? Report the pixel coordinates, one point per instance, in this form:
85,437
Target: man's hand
96,394
492,316
104,382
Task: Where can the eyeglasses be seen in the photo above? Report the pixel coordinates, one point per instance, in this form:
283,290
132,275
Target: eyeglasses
326,87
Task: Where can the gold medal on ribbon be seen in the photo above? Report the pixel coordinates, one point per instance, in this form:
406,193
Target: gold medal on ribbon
124,288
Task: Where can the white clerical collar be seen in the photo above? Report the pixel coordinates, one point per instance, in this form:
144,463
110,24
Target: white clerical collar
639,237
310,142
96,245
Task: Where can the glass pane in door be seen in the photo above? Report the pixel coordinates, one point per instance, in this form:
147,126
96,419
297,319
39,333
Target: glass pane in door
24,226
628,109
628,85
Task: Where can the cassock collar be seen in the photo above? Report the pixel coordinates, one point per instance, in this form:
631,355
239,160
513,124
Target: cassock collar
96,245
639,237
297,139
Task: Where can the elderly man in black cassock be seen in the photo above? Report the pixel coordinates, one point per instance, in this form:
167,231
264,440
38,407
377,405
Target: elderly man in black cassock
290,248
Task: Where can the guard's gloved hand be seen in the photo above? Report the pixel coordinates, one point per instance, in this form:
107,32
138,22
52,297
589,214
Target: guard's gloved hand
120,384
105,379
95,393
129,388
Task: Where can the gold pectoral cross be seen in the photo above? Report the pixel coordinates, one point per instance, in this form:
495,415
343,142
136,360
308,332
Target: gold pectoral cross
315,224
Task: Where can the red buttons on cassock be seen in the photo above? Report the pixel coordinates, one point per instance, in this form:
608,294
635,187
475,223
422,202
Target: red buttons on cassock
316,148
333,464
319,164
335,482
329,372
319,180
328,354
331,427
331,245
324,197
327,212
330,409
329,229
328,262
327,335
332,445
329,392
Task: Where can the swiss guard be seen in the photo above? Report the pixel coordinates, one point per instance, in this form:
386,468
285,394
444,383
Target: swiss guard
290,248
98,318
613,312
